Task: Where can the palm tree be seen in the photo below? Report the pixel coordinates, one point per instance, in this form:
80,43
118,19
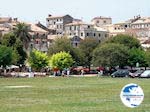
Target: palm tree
22,31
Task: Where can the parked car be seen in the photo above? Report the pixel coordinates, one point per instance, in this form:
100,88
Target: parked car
145,74
121,73
137,73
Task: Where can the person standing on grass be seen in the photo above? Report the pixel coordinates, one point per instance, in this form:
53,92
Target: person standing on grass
82,72
68,72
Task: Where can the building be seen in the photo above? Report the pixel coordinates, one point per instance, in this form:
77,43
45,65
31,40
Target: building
101,21
58,23
38,39
7,24
83,30
140,29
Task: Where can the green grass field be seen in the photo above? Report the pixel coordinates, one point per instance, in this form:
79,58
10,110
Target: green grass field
58,94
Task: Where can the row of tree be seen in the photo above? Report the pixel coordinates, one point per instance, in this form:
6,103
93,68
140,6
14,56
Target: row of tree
120,50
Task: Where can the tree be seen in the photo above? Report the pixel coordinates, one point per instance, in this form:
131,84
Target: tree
137,56
64,44
126,40
6,56
22,31
110,55
87,46
10,40
38,60
61,60
147,57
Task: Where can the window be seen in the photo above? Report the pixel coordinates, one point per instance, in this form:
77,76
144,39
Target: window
74,33
57,26
37,42
88,26
94,34
87,34
57,20
70,28
97,21
105,35
75,28
48,20
81,34
54,23
60,26
99,35
104,21
76,44
70,34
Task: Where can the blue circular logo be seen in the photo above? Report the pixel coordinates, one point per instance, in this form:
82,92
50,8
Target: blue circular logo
132,95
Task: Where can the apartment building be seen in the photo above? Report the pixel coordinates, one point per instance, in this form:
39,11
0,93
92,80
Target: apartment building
58,23
80,30
38,39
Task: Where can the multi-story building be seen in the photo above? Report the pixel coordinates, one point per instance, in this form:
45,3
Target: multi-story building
140,29
38,39
101,21
83,30
58,23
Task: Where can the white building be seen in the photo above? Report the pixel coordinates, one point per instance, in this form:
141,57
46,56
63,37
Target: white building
84,30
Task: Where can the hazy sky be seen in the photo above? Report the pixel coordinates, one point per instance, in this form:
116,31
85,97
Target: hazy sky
38,10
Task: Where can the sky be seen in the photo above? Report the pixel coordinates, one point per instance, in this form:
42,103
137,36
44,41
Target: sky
38,10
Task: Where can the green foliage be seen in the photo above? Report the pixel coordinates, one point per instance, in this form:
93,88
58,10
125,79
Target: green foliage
87,46
137,56
10,40
110,54
61,60
6,55
21,31
147,57
38,60
64,44
126,40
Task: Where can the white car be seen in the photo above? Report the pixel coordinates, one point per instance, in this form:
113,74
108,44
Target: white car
145,74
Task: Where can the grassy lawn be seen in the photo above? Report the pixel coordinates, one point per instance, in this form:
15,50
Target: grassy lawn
84,94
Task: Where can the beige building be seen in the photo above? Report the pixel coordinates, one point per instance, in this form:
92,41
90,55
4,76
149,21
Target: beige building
140,29
38,38
83,30
58,23
101,21
7,24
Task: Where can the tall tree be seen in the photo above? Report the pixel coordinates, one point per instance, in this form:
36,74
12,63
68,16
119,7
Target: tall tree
22,31
64,44
126,40
87,46
61,60
10,40
38,60
110,55
137,56
6,55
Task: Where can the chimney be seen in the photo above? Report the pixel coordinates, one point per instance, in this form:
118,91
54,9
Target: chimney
49,15
15,19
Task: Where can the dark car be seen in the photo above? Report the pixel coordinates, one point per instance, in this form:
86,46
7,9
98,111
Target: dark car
121,73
